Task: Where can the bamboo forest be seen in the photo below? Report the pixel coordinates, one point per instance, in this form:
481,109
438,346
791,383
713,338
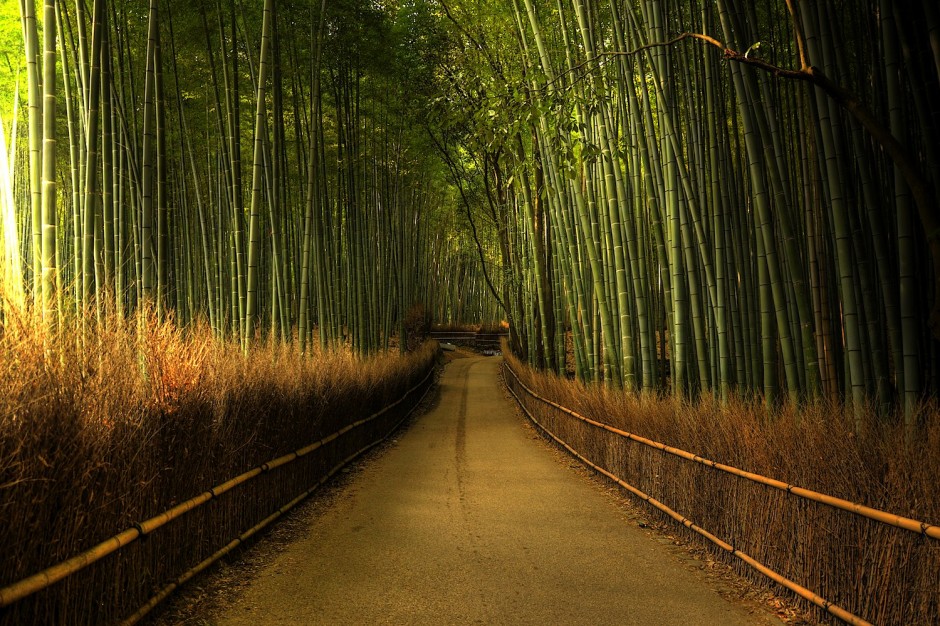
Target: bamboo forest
234,227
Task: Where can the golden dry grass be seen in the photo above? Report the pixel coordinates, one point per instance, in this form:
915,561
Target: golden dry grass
884,574
95,440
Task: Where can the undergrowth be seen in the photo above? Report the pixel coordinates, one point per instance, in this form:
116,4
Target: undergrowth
883,574
148,415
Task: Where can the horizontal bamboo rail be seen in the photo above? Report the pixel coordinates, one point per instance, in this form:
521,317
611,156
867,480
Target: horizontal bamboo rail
47,577
218,554
798,589
891,519
469,336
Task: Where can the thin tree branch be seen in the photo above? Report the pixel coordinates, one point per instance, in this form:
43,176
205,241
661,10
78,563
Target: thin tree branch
798,32
478,45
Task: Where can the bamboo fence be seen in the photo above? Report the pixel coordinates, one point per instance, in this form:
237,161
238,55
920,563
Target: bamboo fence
46,578
926,530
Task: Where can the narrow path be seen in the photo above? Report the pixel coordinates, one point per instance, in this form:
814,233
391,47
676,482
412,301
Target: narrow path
468,520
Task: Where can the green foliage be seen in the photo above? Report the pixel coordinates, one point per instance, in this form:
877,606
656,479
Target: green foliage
12,60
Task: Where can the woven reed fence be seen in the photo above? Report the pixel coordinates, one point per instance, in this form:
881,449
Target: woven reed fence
851,561
124,576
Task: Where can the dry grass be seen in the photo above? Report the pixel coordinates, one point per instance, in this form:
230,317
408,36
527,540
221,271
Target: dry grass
93,441
883,574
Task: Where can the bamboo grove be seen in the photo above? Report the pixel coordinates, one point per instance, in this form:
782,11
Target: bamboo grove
258,165
712,196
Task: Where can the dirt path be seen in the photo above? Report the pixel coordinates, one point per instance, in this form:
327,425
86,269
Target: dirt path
468,520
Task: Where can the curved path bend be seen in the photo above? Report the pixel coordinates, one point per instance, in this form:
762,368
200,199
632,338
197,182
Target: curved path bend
467,519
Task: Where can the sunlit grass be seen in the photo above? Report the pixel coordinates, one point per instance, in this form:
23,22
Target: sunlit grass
147,415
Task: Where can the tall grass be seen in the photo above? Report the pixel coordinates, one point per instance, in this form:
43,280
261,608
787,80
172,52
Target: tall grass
146,416
883,574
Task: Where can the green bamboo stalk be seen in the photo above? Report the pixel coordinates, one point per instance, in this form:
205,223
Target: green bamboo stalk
146,272
92,191
49,221
162,196
254,226
34,134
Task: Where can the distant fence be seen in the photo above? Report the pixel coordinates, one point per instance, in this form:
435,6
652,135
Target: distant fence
704,486
220,515
480,340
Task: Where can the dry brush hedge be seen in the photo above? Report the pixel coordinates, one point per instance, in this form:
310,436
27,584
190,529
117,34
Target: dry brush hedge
92,445
883,574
